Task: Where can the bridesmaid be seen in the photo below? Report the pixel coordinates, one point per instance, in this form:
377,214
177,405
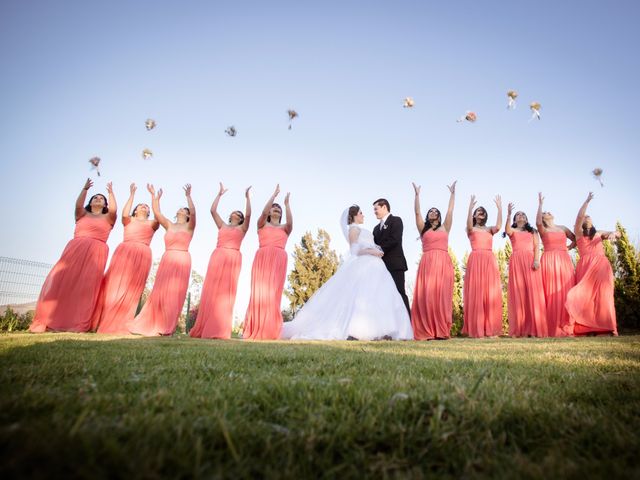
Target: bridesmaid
160,313
590,303
215,314
264,318
70,292
482,289
128,271
557,270
432,308
525,293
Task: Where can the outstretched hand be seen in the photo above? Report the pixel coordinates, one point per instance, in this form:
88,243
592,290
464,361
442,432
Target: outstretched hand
246,192
110,188
472,201
132,189
222,190
416,188
151,189
589,197
498,201
452,187
510,208
88,184
276,192
187,189
286,199
540,198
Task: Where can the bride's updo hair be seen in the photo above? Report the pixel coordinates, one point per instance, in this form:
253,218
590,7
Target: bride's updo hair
353,211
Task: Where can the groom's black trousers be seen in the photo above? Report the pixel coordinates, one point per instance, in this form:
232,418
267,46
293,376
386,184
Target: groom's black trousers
398,277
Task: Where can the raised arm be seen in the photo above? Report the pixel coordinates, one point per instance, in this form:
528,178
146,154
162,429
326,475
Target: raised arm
472,203
507,225
80,211
214,207
113,206
265,211
498,202
126,211
247,210
577,228
155,206
539,224
192,207
289,225
416,207
448,219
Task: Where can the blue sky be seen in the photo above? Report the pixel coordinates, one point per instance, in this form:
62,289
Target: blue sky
80,78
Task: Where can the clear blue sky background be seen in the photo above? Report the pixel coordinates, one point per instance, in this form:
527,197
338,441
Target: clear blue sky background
79,79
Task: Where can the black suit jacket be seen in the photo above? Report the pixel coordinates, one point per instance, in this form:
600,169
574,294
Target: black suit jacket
390,239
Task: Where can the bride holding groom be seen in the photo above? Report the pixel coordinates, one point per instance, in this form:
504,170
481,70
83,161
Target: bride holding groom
365,298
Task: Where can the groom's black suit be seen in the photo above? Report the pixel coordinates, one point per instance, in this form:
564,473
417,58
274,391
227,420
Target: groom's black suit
389,238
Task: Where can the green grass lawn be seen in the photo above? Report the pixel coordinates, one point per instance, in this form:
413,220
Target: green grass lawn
113,407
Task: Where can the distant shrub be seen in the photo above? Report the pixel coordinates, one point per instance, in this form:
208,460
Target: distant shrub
11,321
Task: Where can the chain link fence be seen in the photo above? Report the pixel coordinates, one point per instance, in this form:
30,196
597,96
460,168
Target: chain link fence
21,280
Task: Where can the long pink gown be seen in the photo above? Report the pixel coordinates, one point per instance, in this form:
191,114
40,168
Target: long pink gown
527,310
432,308
160,313
264,318
482,288
70,292
557,279
125,280
215,314
590,303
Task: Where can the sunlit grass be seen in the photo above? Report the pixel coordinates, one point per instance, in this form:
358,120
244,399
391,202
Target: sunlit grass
99,406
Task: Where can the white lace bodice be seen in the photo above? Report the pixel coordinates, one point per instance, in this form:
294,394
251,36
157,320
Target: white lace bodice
365,240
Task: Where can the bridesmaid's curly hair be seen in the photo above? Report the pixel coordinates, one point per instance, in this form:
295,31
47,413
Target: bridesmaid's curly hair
431,226
240,214
351,215
486,216
105,209
527,226
591,232
133,214
280,208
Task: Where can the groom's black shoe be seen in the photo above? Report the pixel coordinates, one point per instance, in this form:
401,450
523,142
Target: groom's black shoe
351,338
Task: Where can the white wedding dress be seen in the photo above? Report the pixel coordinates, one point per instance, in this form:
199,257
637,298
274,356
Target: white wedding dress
360,300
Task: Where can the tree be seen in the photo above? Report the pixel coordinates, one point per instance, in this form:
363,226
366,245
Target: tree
627,281
458,313
503,255
314,263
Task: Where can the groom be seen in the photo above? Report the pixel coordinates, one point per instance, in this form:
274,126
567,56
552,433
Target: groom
388,235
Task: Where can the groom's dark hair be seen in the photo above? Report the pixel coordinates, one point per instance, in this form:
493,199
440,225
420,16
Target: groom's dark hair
382,202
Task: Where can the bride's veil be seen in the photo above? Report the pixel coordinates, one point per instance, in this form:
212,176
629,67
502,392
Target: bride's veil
344,223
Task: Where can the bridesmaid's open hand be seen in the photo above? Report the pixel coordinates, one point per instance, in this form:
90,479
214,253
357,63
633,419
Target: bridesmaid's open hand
286,199
222,190
416,188
452,187
132,188
88,184
246,192
187,190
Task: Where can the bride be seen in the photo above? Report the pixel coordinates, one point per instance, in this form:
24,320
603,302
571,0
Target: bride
360,301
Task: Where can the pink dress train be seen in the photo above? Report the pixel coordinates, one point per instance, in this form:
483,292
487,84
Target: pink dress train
527,310
557,279
432,308
264,318
215,314
160,313
482,288
590,303
70,292
125,280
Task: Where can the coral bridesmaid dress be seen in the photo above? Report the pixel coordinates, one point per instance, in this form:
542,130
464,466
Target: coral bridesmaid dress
215,314
590,303
557,279
264,318
482,289
527,310
432,309
70,292
160,313
125,280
